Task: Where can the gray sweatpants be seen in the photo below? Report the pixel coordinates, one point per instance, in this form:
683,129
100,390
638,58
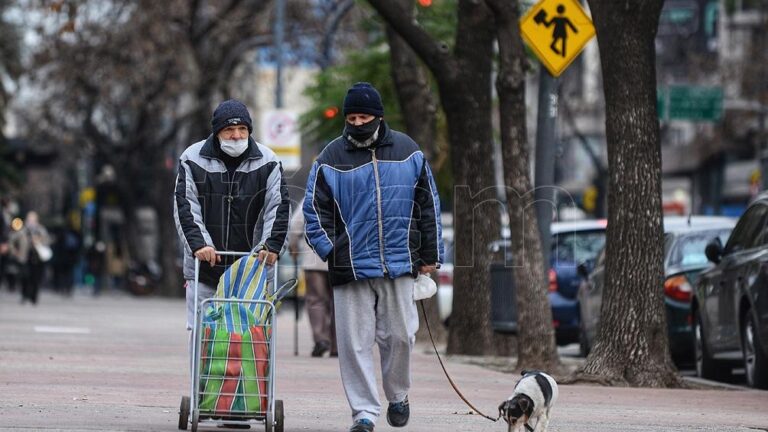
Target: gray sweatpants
380,311
204,291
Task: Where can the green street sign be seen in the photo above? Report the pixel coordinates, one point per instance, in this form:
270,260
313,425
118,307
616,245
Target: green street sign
686,102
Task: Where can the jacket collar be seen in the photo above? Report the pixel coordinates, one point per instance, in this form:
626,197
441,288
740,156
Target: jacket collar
384,140
211,151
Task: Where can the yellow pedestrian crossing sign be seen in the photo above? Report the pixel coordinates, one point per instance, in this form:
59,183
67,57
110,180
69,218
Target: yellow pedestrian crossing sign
557,31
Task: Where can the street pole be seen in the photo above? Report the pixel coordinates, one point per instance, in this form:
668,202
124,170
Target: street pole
544,177
279,36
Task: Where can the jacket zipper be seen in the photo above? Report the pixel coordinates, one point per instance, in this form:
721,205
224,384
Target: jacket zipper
378,209
229,199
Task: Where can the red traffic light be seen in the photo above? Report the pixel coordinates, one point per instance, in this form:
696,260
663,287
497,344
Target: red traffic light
425,3
330,112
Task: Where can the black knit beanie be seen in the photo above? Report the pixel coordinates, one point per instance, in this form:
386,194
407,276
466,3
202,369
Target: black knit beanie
230,113
363,98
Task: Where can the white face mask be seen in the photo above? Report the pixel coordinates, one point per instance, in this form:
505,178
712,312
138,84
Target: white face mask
234,148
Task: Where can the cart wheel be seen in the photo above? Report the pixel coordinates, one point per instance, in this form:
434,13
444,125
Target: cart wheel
269,421
184,413
279,416
194,420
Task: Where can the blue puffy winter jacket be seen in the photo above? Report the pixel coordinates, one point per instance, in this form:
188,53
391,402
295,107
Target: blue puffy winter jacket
373,212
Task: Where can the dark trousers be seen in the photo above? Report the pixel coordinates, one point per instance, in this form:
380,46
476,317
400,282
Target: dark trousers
319,298
32,276
6,276
12,280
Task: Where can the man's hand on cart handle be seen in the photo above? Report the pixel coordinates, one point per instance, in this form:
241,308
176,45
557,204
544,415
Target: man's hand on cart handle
208,254
427,269
271,257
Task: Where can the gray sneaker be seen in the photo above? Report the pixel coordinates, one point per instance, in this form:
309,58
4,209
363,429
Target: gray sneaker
362,425
398,413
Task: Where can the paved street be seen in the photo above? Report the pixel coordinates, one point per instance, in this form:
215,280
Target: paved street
118,363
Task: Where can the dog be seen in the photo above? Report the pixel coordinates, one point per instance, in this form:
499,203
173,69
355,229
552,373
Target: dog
533,398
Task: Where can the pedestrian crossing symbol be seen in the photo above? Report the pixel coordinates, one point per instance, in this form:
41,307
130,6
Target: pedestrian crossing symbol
557,31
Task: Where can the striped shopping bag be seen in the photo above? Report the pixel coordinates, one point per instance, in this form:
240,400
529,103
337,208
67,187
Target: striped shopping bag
234,351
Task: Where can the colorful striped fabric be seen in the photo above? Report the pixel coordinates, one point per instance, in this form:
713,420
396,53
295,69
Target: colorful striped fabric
234,363
246,279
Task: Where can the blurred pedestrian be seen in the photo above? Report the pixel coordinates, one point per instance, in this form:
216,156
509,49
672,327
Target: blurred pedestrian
66,255
30,249
230,196
5,228
319,295
372,211
96,264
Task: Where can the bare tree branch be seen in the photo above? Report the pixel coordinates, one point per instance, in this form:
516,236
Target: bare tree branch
435,55
209,24
338,12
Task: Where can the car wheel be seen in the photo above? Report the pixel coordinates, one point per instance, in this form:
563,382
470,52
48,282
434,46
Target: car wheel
706,366
755,361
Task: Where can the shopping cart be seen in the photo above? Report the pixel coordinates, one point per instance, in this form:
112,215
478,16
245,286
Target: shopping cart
233,354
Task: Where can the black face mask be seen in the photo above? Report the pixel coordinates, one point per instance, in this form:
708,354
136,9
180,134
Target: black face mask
364,131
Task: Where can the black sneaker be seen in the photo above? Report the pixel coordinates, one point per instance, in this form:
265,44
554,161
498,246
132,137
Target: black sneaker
398,413
320,349
362,425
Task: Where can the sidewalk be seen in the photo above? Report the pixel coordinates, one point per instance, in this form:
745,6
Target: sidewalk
119,363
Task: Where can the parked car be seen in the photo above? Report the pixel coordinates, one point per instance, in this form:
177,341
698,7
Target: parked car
730,302
684,259
573,242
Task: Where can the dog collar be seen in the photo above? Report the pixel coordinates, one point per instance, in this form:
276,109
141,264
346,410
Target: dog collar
528,427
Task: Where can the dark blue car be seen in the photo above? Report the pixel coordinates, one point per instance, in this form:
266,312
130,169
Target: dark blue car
573,243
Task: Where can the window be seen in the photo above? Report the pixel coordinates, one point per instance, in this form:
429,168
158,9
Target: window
577,247
732,6
751,224
689,250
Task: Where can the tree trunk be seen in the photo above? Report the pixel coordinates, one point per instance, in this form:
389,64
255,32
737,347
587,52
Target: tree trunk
631,346
464,83
169,253
419,110
536,336
467,103
417,103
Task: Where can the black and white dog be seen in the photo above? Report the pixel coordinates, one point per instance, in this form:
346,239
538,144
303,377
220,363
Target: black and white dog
533,398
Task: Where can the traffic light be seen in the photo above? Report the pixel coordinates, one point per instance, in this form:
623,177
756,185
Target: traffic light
425,3
330,112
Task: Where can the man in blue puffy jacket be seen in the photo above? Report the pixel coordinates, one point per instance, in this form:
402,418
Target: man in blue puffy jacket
373,213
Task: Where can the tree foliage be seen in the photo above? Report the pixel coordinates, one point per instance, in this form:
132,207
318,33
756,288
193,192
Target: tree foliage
131,83
10,69
323,120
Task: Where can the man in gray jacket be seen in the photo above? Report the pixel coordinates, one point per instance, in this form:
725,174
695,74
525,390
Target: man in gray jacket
230,196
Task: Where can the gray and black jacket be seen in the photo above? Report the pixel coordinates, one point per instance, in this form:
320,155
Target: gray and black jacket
243,213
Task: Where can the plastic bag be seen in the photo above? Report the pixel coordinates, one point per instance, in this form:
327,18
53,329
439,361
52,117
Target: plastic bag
424,287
